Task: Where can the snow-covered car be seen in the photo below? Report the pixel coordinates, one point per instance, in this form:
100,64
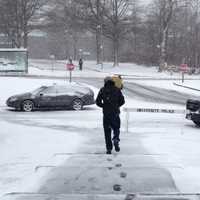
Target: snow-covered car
193,111
71,96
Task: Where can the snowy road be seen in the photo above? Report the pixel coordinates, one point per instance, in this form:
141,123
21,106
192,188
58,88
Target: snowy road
155,94
147,93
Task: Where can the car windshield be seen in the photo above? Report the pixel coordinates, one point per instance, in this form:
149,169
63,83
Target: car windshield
36,91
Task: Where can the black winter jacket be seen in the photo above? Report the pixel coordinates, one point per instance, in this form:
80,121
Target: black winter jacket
110,98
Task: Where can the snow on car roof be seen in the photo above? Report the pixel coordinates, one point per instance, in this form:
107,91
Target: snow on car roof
76,87
71,85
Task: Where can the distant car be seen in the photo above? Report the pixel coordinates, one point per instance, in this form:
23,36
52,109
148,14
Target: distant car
72,96
193,111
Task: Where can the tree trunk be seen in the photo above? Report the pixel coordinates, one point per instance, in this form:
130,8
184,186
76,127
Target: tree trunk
116,52
25,40
75,41
98,45
163,49
98,33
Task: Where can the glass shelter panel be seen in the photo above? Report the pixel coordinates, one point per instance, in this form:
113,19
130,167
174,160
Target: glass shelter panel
13,60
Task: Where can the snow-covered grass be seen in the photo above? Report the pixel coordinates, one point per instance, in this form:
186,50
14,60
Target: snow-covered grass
176,140
24,148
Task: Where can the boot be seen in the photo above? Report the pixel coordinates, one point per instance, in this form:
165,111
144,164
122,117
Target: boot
108,152
116,144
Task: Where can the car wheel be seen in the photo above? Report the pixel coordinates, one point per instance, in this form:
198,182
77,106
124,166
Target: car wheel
27,106
77,104
197,123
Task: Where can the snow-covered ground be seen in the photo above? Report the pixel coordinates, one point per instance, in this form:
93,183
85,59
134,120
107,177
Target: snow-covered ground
24,147
141,73
91,69
176,140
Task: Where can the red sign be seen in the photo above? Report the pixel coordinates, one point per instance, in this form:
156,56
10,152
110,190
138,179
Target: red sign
70,66
184,67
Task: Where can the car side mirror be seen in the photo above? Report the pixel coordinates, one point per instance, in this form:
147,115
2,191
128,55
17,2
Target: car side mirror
41,94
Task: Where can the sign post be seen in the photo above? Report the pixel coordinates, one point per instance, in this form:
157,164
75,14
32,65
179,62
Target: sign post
183,77
184,69
70,68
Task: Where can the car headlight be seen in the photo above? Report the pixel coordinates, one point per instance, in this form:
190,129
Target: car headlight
13,99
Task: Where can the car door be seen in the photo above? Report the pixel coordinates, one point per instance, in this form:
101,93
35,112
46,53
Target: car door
65,95
48,97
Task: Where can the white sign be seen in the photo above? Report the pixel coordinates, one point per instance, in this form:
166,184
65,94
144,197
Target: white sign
154,110
150,110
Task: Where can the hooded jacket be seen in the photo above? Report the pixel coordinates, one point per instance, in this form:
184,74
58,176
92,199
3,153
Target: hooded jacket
110,98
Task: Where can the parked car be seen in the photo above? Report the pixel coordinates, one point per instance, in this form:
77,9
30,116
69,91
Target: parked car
193,111
72,96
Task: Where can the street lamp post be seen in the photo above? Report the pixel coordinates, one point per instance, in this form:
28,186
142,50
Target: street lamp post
52,61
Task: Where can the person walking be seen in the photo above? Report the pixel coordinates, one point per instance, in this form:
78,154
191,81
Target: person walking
80,64
110,99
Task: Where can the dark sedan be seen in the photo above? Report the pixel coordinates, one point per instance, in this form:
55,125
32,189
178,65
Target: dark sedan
73,96
193,111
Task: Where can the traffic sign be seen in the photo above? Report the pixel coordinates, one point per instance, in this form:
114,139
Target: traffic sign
70,66
184,67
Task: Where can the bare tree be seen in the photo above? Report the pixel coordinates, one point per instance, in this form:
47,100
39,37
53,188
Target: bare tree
65,18
16,19
97,11
108,18
117,23
92,16
166,8
183,45
195,32
134,39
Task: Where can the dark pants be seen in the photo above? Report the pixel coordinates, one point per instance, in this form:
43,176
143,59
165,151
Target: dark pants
80,66
111,122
